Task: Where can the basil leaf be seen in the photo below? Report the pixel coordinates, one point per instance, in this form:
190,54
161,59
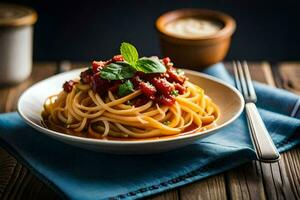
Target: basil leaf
150,65
117,71
129,53
125,88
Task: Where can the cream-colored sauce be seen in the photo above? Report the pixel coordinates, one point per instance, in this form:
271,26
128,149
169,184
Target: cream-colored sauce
193,27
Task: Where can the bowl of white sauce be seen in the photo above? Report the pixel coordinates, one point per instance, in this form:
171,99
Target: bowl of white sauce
195,38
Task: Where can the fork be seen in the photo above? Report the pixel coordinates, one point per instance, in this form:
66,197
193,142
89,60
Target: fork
264,146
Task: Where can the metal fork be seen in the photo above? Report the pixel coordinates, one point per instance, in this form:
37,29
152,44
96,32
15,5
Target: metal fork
264,146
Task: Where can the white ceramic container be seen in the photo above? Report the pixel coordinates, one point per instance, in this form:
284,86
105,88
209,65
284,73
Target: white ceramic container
16,40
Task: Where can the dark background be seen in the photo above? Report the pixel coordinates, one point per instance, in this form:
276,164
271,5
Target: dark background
86,30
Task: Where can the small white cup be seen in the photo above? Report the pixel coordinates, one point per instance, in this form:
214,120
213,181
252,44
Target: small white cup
16,39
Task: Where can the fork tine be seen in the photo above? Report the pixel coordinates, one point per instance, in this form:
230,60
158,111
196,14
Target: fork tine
249,81
242,79
236,77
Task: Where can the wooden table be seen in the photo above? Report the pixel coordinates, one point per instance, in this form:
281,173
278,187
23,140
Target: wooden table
251,181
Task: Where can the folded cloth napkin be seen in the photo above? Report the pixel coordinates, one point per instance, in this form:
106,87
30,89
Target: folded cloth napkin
81,174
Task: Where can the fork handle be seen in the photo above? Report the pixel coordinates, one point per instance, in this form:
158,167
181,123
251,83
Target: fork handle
265,148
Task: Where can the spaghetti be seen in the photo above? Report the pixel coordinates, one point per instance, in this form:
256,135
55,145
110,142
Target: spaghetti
155,105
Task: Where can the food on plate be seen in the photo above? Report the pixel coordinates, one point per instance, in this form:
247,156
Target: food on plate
130,97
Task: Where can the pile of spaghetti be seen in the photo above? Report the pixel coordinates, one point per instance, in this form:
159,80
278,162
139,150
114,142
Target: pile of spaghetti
130,97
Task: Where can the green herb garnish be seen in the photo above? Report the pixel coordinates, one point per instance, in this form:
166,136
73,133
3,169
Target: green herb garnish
125,88
123,70
166,123
129,53
117,71
150,65
174,93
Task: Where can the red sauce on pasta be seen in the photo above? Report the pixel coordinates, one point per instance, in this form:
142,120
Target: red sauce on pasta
160,87
130,98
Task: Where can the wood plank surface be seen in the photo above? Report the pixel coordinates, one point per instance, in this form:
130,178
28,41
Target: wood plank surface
16,181
169,195
211,188
245,182
287,76
251,181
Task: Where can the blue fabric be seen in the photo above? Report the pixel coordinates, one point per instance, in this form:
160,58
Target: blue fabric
80,174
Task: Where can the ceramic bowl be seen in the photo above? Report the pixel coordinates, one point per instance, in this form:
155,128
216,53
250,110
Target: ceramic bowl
197,52
226,97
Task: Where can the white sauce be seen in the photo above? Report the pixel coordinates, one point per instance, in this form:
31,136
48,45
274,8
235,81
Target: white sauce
193,27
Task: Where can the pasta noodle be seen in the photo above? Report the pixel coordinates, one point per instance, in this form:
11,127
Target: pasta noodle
83,110
130,97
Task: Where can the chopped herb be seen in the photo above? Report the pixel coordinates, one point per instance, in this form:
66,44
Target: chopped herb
166,123
125,88
174,93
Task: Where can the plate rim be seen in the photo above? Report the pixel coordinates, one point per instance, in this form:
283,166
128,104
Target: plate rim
53,133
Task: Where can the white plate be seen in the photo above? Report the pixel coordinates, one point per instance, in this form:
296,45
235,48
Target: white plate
226,97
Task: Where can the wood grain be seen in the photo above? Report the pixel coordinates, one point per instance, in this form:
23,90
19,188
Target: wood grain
16,182
251,181
210,189
291,161
278,176
287,76
169,195
245,182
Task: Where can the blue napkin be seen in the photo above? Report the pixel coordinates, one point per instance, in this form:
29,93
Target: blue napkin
81,174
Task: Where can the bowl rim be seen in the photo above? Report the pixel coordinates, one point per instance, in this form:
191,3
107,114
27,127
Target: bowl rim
226,31
135,142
